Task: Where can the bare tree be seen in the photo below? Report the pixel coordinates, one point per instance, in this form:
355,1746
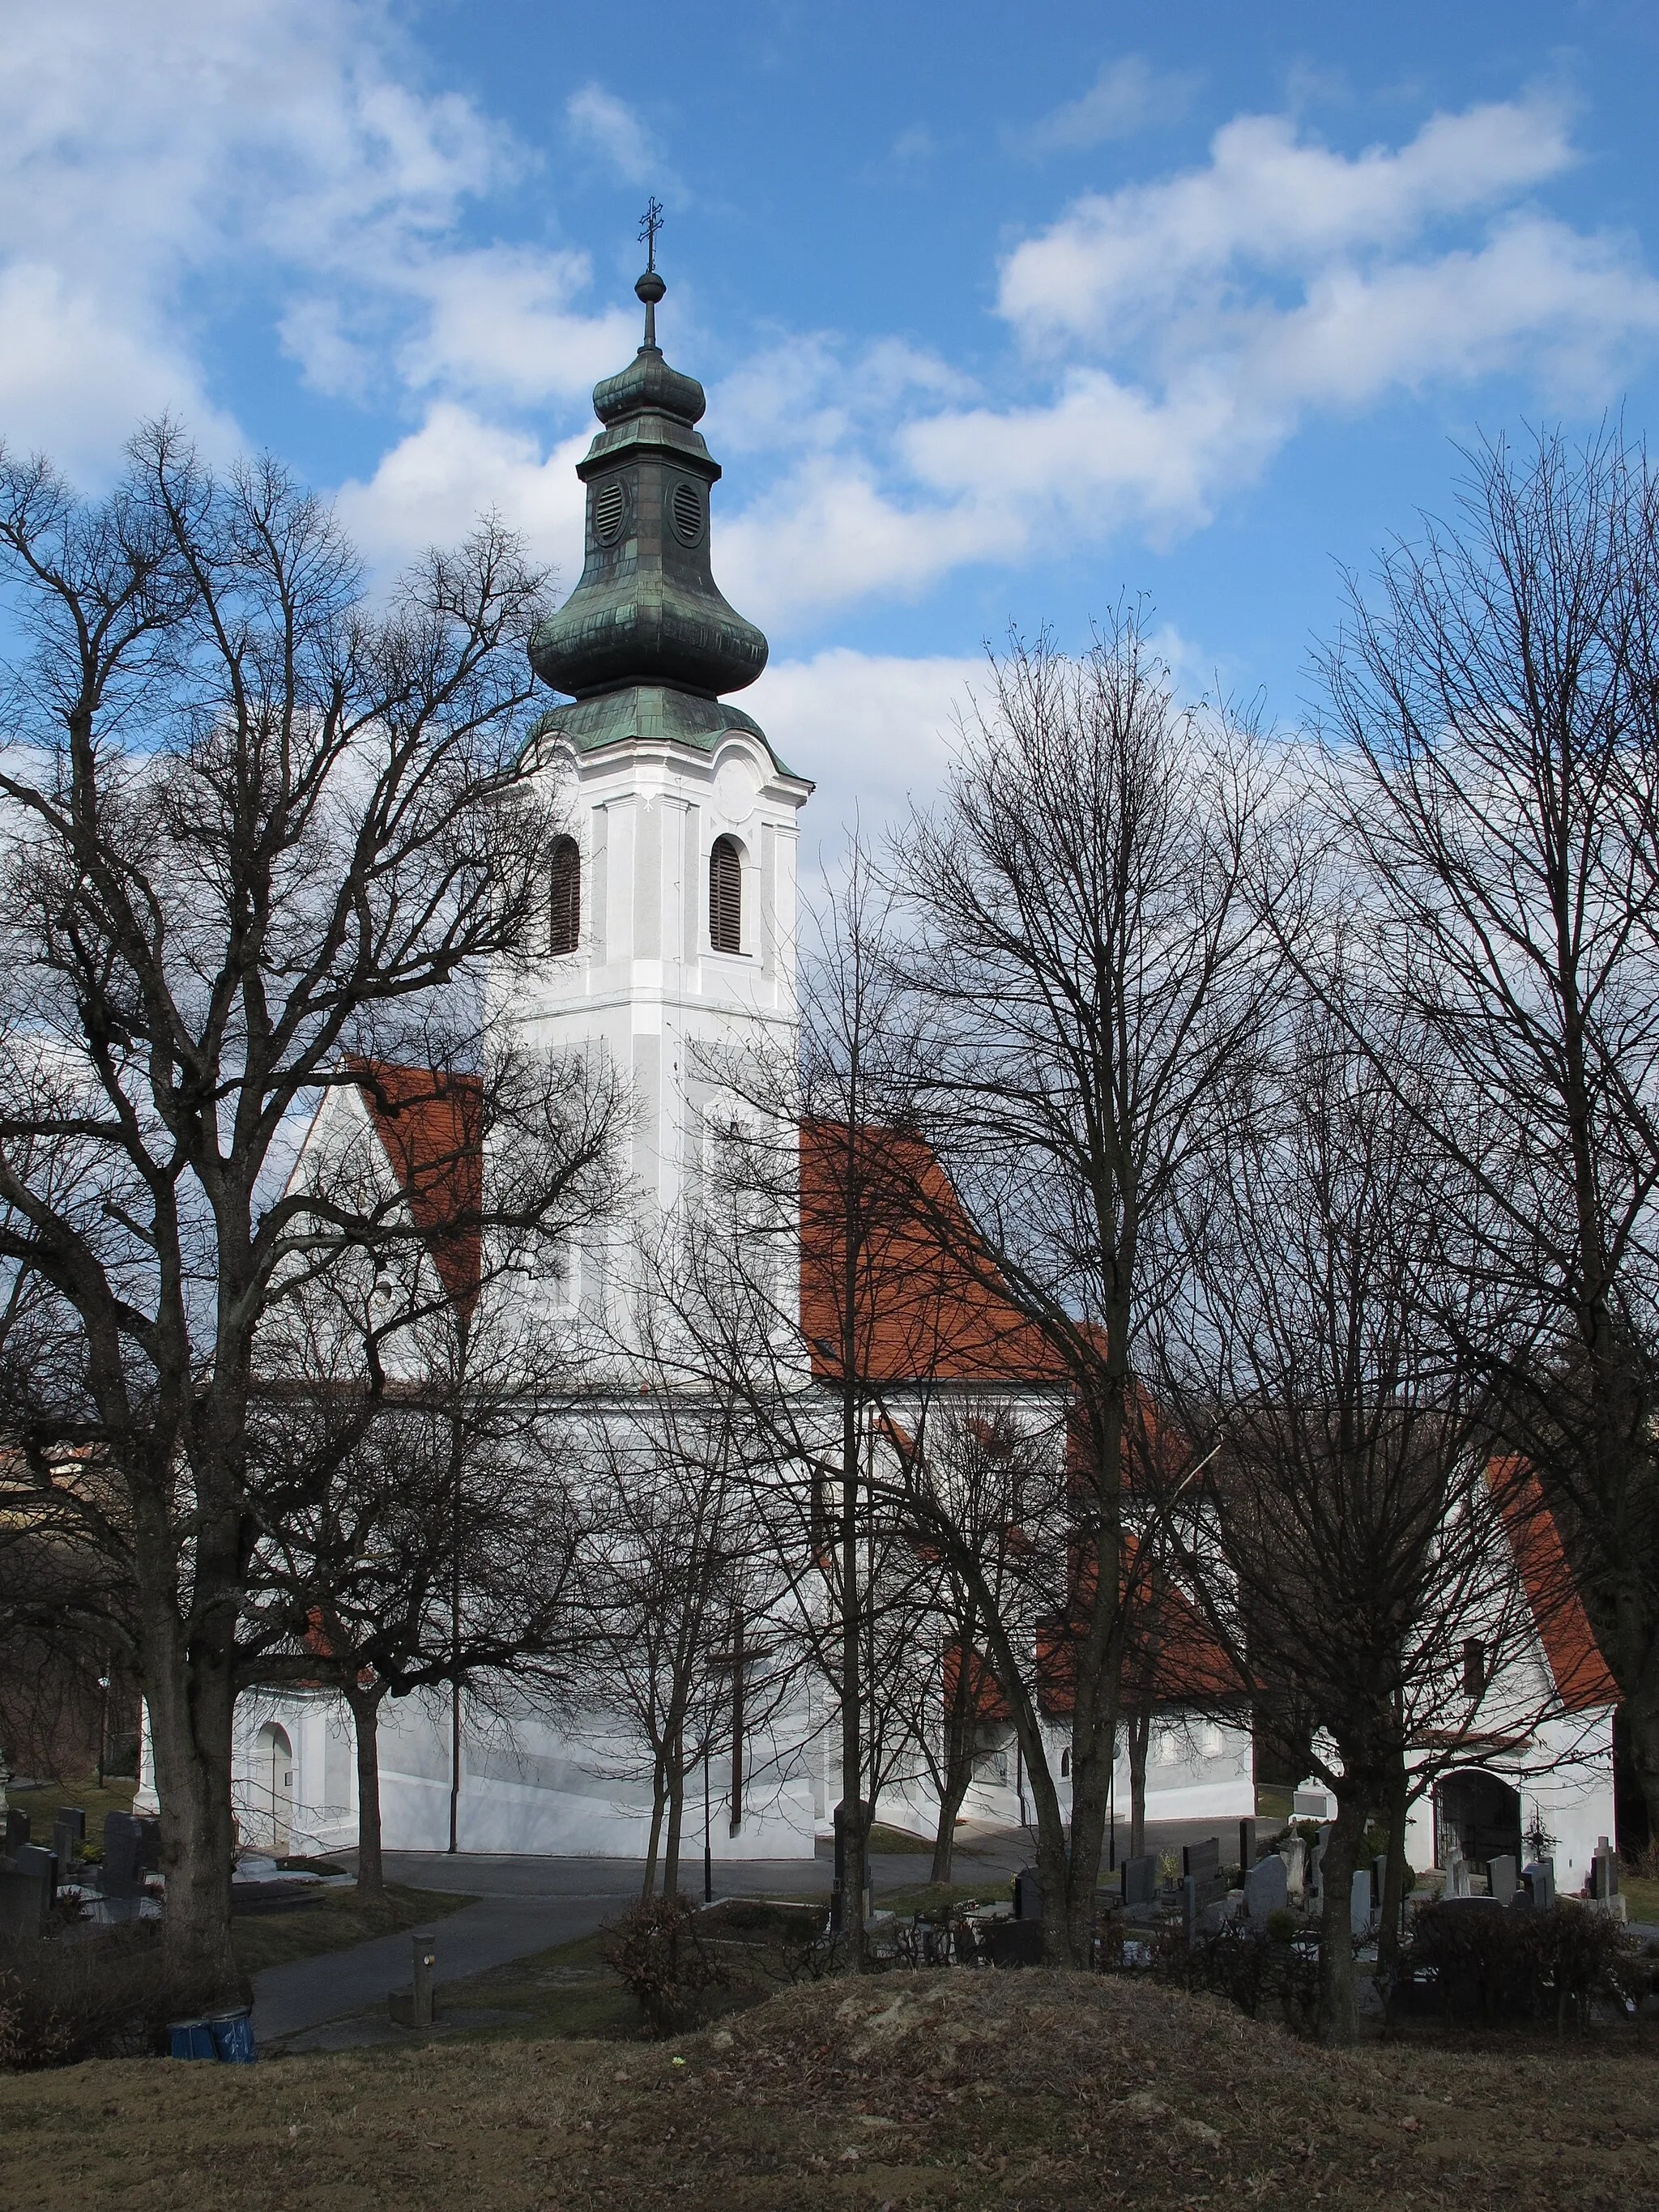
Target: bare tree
661,1582
252,827
1493,764
795,1303
1339,1527
1082,912
415,1451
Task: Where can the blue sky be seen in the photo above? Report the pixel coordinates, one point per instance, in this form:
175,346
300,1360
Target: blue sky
1001,313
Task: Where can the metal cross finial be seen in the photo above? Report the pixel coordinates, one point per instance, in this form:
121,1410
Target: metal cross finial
650,224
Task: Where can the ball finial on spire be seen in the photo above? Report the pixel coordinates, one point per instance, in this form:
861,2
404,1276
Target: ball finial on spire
650,288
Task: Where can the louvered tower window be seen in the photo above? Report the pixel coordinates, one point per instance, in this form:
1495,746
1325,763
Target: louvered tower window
725,897
567,896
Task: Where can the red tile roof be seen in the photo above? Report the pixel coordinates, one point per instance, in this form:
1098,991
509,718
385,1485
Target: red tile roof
1173,1657
985,1691
915,1309
431,1126
1582,1676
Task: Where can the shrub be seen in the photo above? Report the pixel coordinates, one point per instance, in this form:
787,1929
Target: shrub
103,1993
657,1950
1249,1969
1481,1958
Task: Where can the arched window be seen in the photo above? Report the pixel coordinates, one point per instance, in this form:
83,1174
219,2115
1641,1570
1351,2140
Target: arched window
725,897
567,921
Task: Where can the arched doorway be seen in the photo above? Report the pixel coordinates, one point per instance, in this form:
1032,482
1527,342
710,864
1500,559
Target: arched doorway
273,1786
1482,1812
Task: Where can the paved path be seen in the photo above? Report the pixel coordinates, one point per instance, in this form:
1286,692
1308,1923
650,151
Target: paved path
528,1905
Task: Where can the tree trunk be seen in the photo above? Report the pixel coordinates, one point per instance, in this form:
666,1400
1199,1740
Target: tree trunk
852,1703
1641,1732
958,1751
1336,1975
1393,1880
670,1858
959,1774
659,1803
1139,1734
191,1696
365,1704
1091,1782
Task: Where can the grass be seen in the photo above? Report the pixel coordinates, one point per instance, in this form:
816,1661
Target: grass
332,1920
1035,2092
567,1991
115,1797
1643,1894
884,1838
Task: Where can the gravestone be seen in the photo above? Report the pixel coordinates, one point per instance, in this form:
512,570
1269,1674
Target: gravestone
1014,1942
24,1900
36,1860
17,1827
1503,1878
121,1874
1246,1845
74,1817
1140,1881
1539,1878
1201,1864
1457,1875
1189,1909
1359,1904
64,1838
149,1844
1294,1854
1266,1887
1028,1895
1604,1871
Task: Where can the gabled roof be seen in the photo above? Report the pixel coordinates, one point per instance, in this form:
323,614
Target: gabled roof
1582,1679
1173,1656
918,1309
430,1123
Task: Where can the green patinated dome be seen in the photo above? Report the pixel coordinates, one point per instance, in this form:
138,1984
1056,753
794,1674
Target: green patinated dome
645,643
648,711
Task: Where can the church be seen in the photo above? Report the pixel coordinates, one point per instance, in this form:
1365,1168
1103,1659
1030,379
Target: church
671,940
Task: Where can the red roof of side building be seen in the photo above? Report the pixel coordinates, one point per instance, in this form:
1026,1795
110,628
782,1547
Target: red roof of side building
431,1126
1582,1679
916,1308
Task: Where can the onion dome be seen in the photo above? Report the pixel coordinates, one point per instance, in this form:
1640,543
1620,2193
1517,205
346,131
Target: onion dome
646,636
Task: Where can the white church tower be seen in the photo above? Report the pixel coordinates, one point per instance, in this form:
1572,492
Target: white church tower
671,906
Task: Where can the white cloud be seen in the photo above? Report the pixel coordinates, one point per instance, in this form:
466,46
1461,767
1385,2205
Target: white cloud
431,488
503,321
874,730
812,391
1128,95
75,381
149,153
1187,329
619,136
1168,337
1269,201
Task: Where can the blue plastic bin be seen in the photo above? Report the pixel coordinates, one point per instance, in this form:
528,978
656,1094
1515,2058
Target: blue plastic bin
190,2038
232,2036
